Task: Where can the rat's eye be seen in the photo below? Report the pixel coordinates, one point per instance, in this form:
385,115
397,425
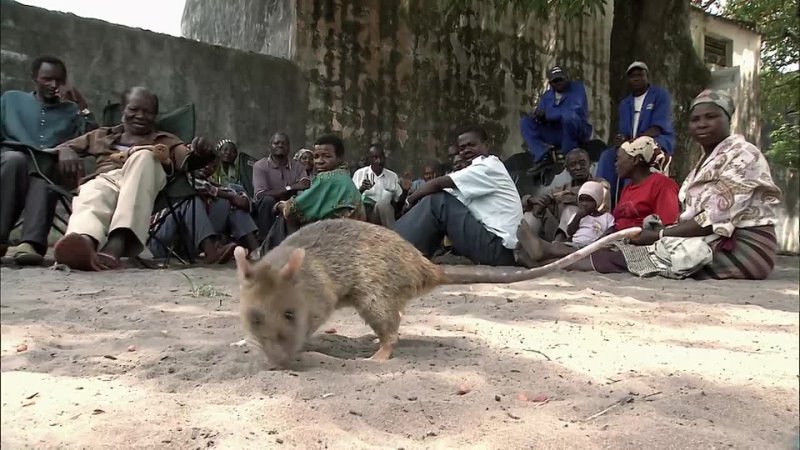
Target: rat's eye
289,315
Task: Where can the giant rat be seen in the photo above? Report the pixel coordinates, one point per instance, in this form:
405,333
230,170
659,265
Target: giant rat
288,294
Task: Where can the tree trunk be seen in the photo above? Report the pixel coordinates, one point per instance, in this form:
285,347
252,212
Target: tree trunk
657,32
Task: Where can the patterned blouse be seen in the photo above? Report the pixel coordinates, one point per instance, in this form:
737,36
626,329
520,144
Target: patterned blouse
732,189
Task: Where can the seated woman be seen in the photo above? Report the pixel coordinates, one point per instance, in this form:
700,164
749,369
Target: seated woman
729,199
332,194
649,193
218,213
306,157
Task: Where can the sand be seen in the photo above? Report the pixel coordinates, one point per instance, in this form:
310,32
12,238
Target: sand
139,359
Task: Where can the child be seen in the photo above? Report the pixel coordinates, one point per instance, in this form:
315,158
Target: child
332,194
590,222
587,226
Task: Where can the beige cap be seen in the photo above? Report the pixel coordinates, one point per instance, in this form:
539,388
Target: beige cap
637,65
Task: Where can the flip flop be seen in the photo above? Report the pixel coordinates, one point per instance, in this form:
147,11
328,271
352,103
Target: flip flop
77,252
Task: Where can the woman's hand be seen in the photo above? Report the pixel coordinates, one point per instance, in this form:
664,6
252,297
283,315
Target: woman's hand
278,209
646,237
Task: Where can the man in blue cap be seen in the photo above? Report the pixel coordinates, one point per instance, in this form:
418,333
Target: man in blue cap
560,120
647,111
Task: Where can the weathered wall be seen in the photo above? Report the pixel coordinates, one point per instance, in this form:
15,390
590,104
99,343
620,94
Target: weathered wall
407,72
238,95
742,77
266,27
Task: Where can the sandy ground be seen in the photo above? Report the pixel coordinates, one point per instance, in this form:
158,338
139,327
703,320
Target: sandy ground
701,365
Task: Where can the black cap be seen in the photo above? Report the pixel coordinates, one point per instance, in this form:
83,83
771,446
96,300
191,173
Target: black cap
556,73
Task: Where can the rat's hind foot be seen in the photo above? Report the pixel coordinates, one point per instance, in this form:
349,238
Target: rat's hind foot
383,354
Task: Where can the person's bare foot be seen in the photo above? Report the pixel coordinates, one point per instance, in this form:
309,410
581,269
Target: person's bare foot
530,243
77,251
218,253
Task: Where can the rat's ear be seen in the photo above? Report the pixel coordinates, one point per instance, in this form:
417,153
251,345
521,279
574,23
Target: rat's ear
243,267
292,266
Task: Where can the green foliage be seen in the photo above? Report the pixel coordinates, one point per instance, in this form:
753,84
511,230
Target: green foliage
785,149
779,24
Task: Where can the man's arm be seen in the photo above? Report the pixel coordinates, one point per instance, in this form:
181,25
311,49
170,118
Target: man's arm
261,184
431,187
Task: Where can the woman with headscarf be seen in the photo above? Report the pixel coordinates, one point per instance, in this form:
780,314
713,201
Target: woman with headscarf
650,192
227,174
727,228
306,157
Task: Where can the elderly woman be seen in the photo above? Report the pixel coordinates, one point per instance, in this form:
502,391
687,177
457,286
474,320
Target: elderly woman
727,228
306,157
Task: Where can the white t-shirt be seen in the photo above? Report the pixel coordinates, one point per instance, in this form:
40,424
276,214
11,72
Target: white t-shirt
491,196
386,185
638,103
591,228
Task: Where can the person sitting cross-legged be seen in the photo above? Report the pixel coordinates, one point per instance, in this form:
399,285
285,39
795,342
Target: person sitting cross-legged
133,162
477,207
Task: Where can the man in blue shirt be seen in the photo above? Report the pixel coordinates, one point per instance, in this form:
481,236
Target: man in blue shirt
560,120
647,111
41,119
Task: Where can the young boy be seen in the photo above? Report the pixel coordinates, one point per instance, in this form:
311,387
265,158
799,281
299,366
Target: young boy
332,194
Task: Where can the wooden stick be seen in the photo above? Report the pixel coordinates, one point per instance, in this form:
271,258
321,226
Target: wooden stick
622,401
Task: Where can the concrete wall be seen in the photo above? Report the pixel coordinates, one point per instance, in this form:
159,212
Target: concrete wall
742,77
407,72
238,95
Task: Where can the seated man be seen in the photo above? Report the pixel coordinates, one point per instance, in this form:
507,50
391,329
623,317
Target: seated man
477,207
428,174
380,188
556,206
647,111
560,120
41,119
220,211
275,178
133,161
332,194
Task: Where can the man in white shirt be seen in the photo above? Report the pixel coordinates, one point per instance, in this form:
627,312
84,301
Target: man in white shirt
380,188
478,207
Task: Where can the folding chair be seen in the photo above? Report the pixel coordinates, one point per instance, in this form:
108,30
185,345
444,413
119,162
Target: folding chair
178,192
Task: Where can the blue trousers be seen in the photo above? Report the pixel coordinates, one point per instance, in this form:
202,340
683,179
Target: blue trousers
566,134
221,219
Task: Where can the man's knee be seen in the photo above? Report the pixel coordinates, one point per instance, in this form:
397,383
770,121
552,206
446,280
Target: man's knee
13,160
266,205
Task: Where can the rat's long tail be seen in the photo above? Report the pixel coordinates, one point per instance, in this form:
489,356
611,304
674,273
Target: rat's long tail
485,274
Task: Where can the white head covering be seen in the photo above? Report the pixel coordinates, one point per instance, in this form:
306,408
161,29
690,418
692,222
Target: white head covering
644,146
595,190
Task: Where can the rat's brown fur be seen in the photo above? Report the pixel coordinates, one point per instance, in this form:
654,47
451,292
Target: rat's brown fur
294,289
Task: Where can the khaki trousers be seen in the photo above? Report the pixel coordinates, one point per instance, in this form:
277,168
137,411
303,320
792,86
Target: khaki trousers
120,199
